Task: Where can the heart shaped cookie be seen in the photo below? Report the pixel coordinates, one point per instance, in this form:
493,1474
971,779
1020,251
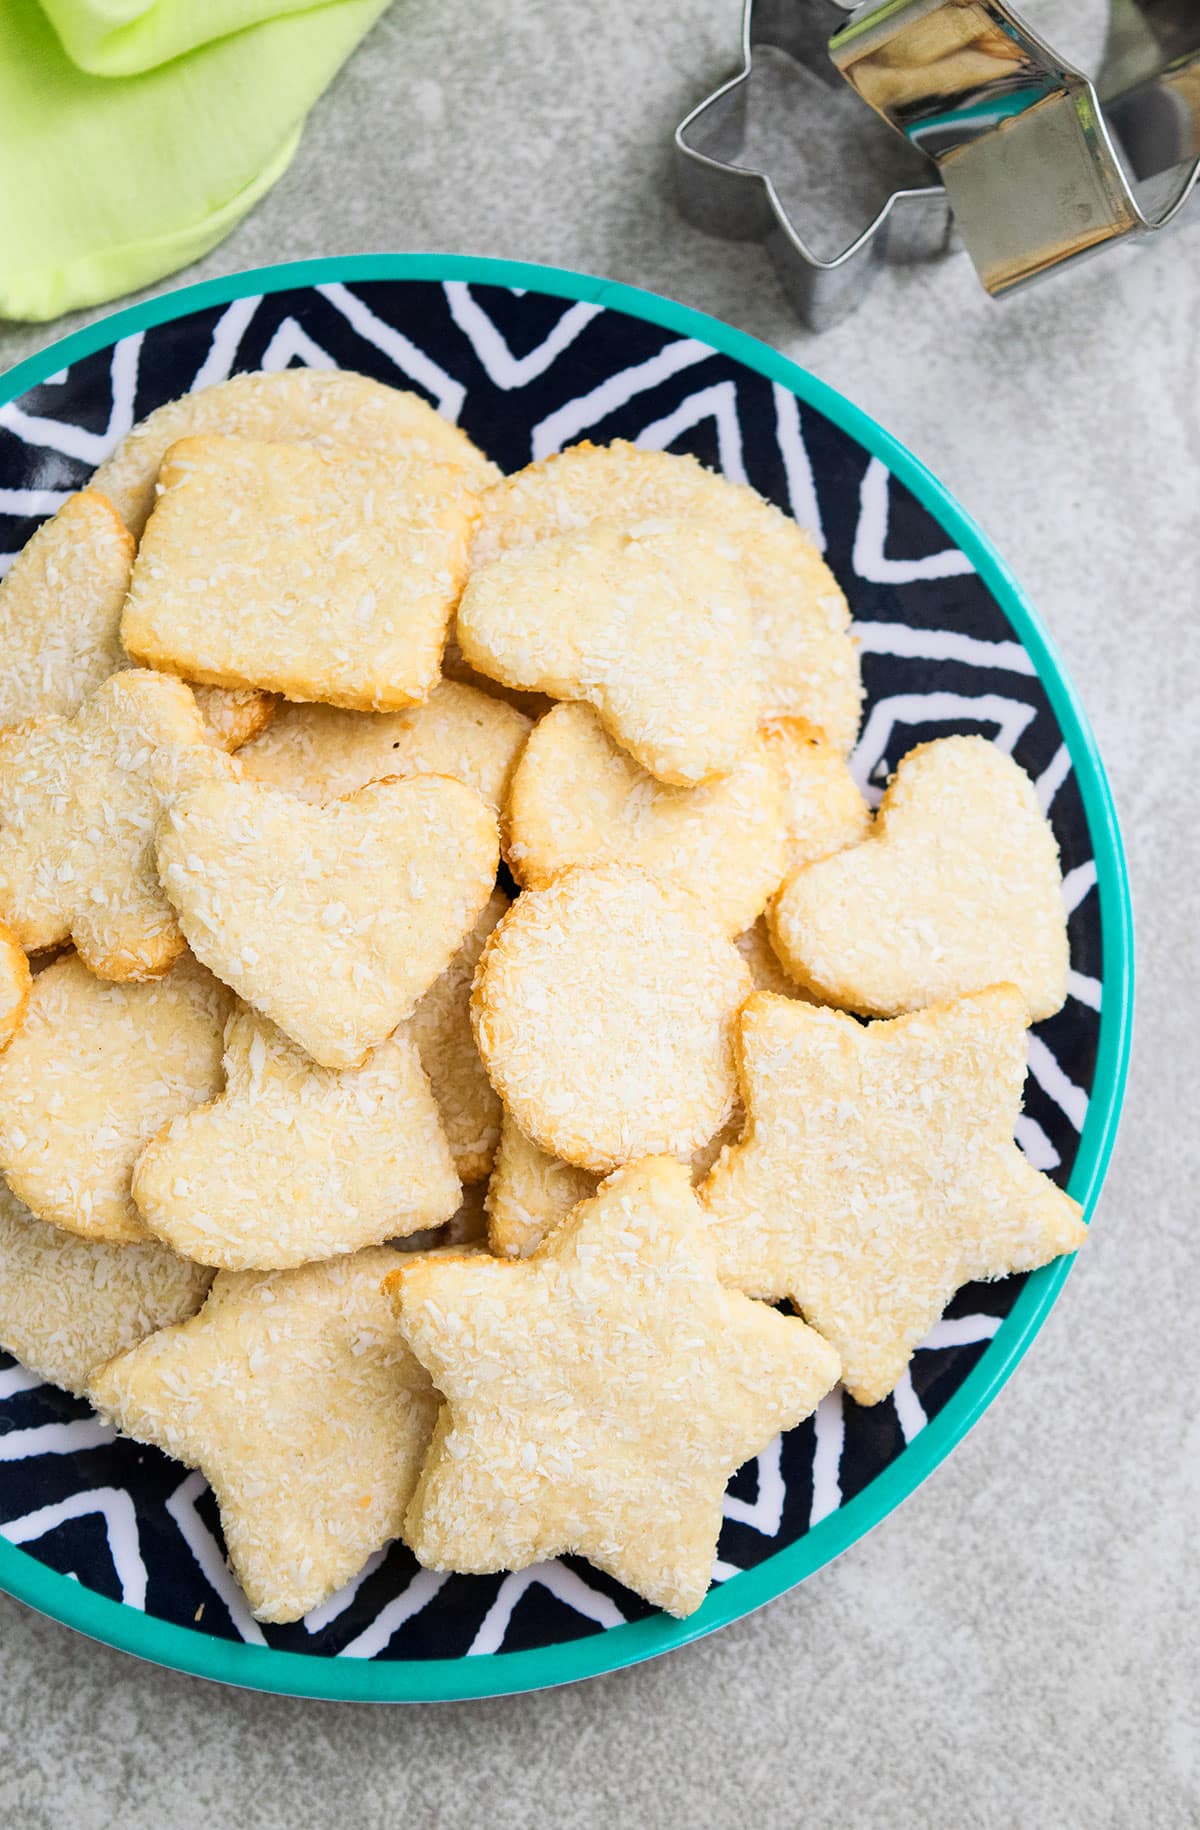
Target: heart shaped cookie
646,621
956,887
804,655
330,920
578,798
294,1162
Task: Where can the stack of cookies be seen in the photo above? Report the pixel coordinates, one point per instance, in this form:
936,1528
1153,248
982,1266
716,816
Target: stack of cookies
503,1209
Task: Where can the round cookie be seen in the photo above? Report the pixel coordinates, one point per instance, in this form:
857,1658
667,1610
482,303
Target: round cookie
604,1010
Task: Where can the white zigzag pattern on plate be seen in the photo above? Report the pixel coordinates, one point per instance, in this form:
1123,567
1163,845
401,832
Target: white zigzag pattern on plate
562,1582
387,1623
227,335
871,561
718,403
412,362
499,363
801,486
291,341
117,1510
210,1558
1011,718
765,1511
77,441
572,418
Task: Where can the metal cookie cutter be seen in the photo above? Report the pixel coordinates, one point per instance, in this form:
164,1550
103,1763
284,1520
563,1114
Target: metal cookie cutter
726,198
1035,164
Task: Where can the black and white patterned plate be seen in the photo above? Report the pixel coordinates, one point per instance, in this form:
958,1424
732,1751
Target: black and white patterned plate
125,1544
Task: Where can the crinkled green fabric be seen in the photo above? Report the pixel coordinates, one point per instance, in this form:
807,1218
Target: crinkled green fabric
135,133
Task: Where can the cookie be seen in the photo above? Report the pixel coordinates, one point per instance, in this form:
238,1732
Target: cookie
292,406
294,1162
441,1029
805,657
234,714
956,887
68,1304
529,1191
79,798
308,1416
318,573
823,808
60,610
877,1173
332,921
766,972
646,621
600,1394
15,982
604,1010
60,623
320,752
95,1070
578,798
534,705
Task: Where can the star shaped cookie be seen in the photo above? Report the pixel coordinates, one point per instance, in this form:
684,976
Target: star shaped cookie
599,1394
877,1172
291,1391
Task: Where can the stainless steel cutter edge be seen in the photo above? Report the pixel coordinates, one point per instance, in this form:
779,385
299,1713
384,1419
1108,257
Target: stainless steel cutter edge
738,202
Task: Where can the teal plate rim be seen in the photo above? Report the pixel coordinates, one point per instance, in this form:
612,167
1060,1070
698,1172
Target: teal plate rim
505,1673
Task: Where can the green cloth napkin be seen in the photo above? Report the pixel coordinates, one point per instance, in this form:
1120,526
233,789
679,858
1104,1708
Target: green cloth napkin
135,133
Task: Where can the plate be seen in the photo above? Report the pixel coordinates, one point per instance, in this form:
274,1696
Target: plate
123,1544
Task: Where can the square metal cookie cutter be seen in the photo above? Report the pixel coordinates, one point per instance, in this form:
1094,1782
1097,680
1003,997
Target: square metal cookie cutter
1031,163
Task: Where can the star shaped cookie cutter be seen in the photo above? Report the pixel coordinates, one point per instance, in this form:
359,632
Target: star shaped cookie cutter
1030,162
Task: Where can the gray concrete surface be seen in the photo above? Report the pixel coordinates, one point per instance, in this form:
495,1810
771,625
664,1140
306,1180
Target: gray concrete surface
1018,1645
